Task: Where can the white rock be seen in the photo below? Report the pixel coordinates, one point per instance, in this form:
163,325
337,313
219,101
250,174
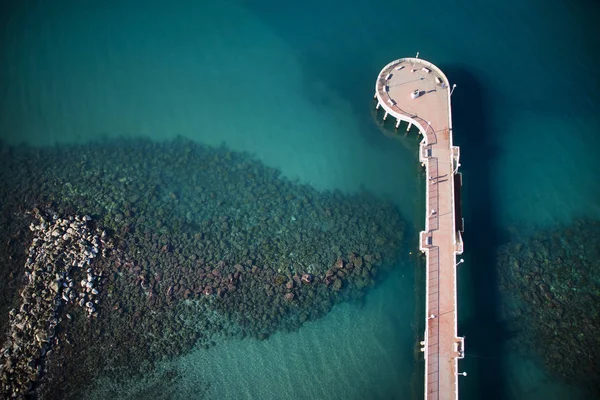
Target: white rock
55,286
41,337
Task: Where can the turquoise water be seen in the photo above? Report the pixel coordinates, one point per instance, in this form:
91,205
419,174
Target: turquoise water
293,84
353,352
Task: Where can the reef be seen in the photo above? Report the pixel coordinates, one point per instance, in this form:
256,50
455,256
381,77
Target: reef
551,295
195,244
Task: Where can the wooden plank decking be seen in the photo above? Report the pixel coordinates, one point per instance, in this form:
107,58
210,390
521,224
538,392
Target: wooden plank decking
441,242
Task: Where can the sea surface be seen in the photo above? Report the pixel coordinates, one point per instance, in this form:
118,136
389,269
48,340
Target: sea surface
292,83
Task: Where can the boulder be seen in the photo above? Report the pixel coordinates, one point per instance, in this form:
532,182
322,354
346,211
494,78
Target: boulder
289,297
337,284
55,286
297,279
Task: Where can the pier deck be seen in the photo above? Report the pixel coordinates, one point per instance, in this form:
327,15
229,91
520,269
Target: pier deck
431,113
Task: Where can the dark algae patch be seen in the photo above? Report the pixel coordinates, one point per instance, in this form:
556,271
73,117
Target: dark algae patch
551,288
205,243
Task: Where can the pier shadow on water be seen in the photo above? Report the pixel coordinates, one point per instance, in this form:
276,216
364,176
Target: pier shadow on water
480,322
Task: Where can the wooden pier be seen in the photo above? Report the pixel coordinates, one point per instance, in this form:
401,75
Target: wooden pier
417,92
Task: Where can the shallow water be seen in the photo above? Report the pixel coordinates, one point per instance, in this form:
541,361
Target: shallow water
339,356
292,84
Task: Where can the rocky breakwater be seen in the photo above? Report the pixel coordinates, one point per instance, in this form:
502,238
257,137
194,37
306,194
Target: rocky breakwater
61,249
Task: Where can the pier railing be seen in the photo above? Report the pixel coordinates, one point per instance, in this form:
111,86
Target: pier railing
433,323
433,195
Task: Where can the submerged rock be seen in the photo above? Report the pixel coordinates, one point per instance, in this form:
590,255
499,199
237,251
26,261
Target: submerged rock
196,228
550,292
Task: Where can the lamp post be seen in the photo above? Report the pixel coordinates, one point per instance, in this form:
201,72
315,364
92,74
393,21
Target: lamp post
453,87
462,260
462,373
456,169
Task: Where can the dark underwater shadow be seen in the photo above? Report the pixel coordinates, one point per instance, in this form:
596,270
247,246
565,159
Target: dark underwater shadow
484,330
332,64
